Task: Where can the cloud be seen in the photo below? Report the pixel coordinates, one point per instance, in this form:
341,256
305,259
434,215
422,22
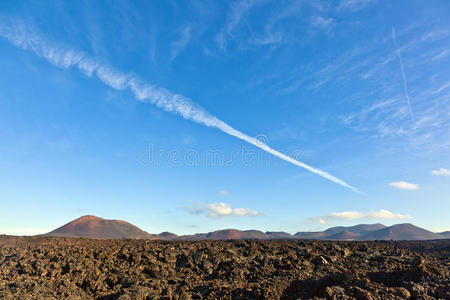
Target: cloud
220,209
347,215
181,43
24,37
23,231
237,11
223,193
353,4
402,68
382,214
441,172
290,10
404,185
274,36
323,23
268,39
440,55
442,87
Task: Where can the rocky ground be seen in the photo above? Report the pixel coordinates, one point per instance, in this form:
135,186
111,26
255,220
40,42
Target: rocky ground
63,268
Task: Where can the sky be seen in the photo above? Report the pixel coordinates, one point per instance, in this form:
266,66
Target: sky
194,116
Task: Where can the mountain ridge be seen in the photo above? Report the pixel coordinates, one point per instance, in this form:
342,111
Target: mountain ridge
90,226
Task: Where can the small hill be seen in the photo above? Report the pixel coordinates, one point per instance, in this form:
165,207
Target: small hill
340,232
358,229
98,228
445,234
310,235
166,236
404,231
234,234
278,235
343,236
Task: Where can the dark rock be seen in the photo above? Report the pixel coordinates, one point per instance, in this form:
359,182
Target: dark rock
62,268
320,261
336,293
401,292
361,294
415,289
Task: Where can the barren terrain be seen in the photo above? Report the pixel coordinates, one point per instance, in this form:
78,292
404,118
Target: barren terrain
55,268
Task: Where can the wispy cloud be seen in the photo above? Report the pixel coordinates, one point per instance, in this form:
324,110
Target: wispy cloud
441,88
381,214
292,9
377,110
220,209
441,172
181,43
332,71
268,39
274,34
60,56
153,39
353,5
322,23
403,185
237,11
223,193
440,55
23,231
405,84
387,113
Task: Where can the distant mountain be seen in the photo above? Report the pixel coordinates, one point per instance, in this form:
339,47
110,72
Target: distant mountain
277,235
98,228
358,229
445,234
343,236
166,236
340,232
364,232
401,232
310,235
234,234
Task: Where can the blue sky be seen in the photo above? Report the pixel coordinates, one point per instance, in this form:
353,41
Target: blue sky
173,115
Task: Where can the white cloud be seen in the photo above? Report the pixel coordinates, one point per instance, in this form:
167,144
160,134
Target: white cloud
223,193
23,231
381,214
441,172
290,10
347,215
404,185
268,39
442,87
322,23
440,55
220,209
353,4
181,43
237,11
385,214
402,68
24,37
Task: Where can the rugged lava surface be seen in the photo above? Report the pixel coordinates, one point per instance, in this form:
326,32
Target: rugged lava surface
55,268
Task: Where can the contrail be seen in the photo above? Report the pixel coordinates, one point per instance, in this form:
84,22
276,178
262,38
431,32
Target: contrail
405,85
65,58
